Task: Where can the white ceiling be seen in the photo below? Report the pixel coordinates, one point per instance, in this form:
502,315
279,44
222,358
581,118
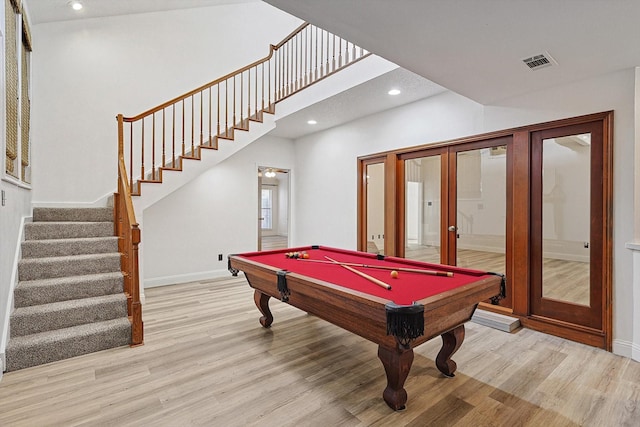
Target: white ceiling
475,48
367,98
41,11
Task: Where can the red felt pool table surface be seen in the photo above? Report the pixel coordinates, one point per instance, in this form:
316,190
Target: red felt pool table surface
405,289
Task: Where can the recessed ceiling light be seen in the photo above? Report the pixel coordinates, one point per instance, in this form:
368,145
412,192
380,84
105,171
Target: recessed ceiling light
76,5
312,122
394,92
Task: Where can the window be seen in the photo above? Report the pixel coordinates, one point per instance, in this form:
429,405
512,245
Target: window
17,72
267,208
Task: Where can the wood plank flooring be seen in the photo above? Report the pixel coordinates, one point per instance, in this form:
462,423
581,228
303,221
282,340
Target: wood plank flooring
274,242
208,362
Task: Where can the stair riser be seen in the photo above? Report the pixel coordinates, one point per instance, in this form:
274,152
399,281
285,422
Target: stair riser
53,248
46,268
43,321
73,214
45,294
46,351
72,230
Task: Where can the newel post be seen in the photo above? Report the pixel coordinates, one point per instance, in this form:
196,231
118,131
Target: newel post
137,336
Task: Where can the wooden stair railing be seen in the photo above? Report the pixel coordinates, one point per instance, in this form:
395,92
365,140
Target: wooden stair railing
161,138
128,232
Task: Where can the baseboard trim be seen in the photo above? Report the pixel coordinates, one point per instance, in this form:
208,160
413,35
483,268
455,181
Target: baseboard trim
495,320
185,278
626,349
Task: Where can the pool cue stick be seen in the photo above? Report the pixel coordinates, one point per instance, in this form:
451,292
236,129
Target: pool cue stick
361,274
384,267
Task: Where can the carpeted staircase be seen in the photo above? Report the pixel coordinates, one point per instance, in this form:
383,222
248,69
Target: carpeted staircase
69,300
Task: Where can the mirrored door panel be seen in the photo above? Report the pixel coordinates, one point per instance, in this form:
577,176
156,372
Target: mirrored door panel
566,164
567,199
423,205
481,215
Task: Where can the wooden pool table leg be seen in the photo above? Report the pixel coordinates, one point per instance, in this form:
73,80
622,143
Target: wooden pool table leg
262,302
451,342
397,363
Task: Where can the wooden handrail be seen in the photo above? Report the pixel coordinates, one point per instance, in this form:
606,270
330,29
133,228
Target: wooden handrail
128,232
272,48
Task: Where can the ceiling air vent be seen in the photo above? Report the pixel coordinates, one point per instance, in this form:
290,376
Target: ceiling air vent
539,61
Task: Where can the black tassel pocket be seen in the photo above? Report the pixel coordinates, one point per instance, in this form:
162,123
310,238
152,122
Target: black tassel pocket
282,285
405,322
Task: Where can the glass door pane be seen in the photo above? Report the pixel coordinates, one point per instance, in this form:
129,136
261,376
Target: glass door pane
375,208
566,218
481,209
567,205
422,208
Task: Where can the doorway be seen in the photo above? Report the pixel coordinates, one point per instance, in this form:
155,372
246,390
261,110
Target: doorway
273,208
567,211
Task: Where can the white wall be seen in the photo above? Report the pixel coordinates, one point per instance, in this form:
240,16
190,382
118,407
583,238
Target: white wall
217,213
327,216
16,208
85,72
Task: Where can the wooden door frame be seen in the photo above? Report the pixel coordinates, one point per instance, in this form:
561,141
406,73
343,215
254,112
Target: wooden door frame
601,168
519,188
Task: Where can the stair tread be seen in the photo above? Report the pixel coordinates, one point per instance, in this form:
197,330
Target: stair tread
51,223
71,239
58,334
69,304
69,279
70,214
69,246
49,230
78,257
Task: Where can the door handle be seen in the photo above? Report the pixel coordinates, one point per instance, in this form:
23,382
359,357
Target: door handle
453,228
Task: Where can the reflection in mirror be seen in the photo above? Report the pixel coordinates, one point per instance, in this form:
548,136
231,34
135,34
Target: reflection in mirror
422,209
375,208
566,218
481,209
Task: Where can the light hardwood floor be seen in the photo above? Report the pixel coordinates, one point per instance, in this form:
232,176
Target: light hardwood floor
208,362
274,242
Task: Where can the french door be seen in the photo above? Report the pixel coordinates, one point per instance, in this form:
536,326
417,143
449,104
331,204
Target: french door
567,208
479,215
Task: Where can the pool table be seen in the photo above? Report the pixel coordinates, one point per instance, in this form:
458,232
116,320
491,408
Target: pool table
341,287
